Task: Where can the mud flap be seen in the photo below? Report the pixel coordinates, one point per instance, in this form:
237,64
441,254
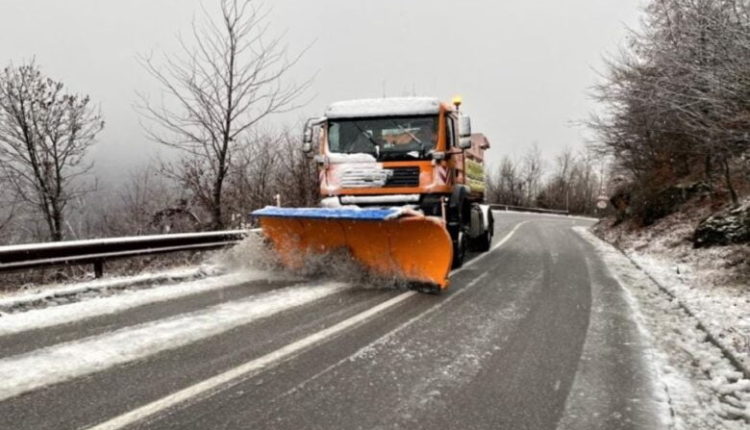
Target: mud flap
389,242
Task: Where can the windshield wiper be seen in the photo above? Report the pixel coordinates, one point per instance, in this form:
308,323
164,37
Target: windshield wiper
422,146
401,127
369,137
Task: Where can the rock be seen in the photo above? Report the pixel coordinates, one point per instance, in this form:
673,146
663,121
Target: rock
730,226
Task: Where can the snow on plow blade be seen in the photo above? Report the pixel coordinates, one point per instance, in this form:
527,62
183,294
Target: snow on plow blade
390,242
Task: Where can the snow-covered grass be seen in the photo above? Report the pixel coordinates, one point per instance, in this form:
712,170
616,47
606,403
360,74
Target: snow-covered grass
714,283
65,361
705,390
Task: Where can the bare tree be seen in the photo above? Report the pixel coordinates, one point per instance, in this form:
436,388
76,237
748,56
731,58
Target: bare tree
45,134
271,166
7,208
145,203
298,173
253,179
563,176
677,101
506,184
216,91
533,169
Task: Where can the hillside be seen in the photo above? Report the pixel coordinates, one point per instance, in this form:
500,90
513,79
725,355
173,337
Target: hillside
712,281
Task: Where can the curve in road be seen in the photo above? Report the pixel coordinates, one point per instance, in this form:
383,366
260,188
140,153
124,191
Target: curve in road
532,335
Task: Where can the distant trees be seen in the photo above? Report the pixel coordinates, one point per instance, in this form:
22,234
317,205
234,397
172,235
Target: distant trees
573,183
215,93
217,90
45,135
504,184
678,100
7,208
531,172
145,203
273,166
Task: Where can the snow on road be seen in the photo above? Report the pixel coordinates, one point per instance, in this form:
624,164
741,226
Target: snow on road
704,390
40,293
98,306
615,358
74,359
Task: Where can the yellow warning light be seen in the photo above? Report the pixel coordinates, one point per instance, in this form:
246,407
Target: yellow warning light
457,101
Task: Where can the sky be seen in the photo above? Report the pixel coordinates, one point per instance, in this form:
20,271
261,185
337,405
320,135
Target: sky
525,69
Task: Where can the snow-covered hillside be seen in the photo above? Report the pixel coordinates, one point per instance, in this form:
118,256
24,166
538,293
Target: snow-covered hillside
713,282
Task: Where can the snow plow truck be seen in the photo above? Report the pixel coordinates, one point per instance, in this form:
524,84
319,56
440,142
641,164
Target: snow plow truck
401,185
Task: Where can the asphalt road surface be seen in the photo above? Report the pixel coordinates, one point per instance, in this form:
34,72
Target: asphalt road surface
533,335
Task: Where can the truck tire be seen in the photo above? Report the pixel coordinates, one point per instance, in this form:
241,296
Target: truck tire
430,289
460,246
483,243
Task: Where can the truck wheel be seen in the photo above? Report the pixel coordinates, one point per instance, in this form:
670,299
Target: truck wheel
459,250
430,289
483,242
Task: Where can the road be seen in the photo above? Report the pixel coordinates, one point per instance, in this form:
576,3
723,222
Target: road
534,335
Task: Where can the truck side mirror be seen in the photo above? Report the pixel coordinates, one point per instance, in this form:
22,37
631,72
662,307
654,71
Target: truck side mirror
307,137
464,126
309,134
464,132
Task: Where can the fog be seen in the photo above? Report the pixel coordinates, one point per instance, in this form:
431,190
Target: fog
524,69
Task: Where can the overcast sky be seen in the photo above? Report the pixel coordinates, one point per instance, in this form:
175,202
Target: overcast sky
524,68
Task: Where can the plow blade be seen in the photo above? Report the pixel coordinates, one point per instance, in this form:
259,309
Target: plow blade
389,242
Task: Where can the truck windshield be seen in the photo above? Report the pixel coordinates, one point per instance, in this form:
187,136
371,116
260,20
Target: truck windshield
396,138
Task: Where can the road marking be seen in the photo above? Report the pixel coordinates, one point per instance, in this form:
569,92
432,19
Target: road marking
248,369
254,367
390,334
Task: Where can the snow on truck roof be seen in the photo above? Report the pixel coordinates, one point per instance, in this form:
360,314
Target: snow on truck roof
393,106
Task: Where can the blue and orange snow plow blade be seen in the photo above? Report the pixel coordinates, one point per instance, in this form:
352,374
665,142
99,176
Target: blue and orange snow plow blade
390,242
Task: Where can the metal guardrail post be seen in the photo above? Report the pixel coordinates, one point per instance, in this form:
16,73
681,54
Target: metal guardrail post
98,269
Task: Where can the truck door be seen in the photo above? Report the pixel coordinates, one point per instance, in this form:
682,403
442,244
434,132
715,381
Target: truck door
456,159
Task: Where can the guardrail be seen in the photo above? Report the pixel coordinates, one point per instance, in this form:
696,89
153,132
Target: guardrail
97,251
526,209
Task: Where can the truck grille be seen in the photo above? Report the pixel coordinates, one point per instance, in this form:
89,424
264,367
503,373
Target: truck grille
403,177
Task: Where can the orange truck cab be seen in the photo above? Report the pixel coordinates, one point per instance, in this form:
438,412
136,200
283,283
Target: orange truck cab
412,152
